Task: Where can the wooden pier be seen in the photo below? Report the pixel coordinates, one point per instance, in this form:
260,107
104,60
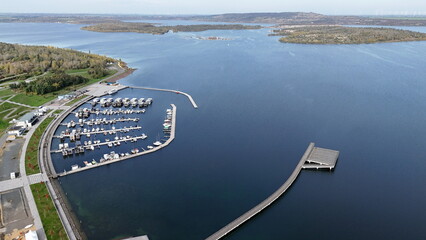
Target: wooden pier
169,90
310,153
169,140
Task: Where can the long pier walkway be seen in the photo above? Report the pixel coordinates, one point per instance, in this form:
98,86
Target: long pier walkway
311,151
169,140
169,90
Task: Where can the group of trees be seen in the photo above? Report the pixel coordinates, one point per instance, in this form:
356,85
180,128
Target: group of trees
345,35
34,60
141,27
51,83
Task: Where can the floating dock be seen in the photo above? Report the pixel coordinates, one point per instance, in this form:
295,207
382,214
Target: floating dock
311,155
108,131
169,90
98,121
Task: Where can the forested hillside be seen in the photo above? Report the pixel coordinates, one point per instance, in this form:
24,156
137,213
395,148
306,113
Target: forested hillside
34,60
345,35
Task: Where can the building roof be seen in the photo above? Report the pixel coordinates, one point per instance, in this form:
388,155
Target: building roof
27,117
15,128
31,235
10,138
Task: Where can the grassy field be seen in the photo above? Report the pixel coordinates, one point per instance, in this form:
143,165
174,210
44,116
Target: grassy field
58,111
49,217
7,115
31,155
37,100
33,100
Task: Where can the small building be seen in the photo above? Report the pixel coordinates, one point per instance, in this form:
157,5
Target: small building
27,121
41,111
66,96
16,131
10,138
31,235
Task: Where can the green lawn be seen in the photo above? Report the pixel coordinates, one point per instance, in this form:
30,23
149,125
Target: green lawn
49,217
5,109
31,155
6,92
32,99
38,100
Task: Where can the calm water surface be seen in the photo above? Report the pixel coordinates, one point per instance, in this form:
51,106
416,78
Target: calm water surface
260,104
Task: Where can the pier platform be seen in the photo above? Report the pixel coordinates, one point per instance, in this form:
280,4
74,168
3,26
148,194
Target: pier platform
321,158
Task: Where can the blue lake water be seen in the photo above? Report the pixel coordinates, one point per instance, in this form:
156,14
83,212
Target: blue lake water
260,104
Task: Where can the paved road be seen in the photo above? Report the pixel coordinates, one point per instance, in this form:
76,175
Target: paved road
11,184
9,158
26,182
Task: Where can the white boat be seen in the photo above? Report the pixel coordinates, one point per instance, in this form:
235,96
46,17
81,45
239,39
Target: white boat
144,136
157,143
150,147
75,167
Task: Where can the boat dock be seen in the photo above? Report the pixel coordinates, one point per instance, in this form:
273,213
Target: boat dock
99,121
88,146
169,90
312,155
111,112
166,143
107,131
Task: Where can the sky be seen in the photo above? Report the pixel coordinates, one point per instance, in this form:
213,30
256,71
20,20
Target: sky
332,7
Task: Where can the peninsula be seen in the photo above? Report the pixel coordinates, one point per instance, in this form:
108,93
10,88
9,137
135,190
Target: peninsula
344,35
140,27
31,76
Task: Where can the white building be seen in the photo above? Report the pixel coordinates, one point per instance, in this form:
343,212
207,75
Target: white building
27,121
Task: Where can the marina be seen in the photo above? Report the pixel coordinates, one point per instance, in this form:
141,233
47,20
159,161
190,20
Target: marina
112,157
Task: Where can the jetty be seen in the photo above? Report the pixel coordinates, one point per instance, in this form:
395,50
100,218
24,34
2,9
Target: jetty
169,90
156,148
312,156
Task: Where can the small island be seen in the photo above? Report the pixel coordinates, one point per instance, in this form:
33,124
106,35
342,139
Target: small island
344,35
140,27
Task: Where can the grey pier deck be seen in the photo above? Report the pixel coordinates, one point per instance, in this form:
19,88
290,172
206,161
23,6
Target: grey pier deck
312,156
321,158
